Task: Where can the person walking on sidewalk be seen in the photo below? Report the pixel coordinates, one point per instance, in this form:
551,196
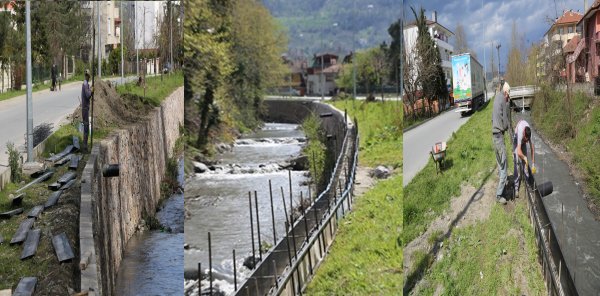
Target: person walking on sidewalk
521,138
500,122
86,95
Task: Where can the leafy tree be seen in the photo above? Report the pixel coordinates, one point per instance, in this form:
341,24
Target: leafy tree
432,80
259,43
207,62
114,59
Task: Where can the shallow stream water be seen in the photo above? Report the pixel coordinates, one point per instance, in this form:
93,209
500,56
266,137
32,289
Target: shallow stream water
217,202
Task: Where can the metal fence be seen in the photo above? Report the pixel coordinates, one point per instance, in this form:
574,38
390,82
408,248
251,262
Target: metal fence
555,271
289,266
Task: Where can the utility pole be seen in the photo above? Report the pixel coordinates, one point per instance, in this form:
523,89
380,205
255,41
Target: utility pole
171,33
401,52
122,45
137,51
354,51
29,100
484,60
498,48
99,43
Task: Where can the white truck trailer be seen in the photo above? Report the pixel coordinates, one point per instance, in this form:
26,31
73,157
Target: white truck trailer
468,86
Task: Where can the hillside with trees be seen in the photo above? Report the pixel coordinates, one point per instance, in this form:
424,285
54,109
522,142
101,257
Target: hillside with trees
316,25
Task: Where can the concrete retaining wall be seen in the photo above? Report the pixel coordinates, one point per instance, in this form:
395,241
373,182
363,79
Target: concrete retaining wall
117,205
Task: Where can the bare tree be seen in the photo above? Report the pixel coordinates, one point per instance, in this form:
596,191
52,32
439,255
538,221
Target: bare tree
461,44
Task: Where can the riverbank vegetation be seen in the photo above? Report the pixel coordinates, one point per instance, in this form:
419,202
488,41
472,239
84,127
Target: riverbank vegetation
232,53
574,125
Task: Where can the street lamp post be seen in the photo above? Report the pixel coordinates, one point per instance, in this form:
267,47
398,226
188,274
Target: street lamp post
498,48
122,47
29,101
99,44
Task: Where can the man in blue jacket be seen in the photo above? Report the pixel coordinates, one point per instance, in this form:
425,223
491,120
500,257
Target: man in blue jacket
86,96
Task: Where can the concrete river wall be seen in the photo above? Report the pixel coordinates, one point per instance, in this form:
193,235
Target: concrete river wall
112,208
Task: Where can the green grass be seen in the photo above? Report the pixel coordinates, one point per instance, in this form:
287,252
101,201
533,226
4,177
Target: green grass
157,87
52,221
502,249
380,128
581,140
366,256
469,159
60,139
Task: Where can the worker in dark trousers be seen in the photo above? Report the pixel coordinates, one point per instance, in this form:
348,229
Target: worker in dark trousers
86,95
521,138
500,121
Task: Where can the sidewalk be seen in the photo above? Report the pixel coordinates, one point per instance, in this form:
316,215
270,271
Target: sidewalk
577,231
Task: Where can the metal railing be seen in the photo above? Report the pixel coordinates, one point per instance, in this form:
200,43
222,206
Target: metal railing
555,271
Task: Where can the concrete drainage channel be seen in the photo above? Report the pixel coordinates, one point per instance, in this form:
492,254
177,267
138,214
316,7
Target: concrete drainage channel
112,208
555,271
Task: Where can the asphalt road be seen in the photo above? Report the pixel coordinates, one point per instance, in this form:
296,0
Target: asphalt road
577,231
419,140
48,107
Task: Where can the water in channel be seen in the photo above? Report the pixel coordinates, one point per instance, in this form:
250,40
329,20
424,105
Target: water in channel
153,259
217,202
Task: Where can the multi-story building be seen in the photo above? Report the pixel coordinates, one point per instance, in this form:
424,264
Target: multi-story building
589,51
139,20
440,34
554,43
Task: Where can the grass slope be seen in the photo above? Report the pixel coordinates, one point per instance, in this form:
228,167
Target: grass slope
501,260
380,128
469,157
157,87
366,256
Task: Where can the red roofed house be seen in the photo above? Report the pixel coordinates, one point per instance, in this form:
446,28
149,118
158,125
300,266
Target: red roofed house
326,63
563,34
590,25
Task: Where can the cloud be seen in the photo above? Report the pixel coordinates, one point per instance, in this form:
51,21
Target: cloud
487,22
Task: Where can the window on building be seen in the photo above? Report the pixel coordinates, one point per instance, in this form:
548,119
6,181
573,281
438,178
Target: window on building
570,29
560,30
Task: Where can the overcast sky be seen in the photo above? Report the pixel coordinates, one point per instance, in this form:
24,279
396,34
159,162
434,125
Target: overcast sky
495,17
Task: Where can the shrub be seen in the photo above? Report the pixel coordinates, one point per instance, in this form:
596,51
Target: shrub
14,162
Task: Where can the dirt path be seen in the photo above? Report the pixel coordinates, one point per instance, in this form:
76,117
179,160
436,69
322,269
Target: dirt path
471,206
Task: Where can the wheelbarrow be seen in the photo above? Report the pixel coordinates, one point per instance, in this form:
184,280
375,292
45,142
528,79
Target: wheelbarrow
438,153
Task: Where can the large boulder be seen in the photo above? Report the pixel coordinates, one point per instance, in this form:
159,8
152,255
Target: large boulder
199,167
380,172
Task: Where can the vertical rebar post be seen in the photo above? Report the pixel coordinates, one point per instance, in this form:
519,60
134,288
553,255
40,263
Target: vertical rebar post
234,272
285,210
293,233
210,265
272,214
199,278
287,238
257,226
275,274
252,229
291,197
